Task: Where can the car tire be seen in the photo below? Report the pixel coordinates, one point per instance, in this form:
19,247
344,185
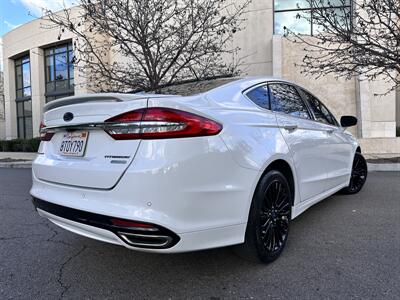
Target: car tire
268,224
359,175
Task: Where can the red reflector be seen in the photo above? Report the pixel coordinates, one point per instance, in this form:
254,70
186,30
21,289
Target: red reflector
131,224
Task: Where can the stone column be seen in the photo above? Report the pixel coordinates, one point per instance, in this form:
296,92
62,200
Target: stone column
398,107
80,77
9,99
363,107
277,56
376,108
37,87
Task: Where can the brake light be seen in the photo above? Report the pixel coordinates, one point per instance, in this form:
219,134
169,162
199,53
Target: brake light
45,135
160,123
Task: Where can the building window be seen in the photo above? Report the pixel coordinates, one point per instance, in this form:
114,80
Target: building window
295,14
59,71
23,97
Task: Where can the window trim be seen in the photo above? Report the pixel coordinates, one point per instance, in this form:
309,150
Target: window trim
298,89
248,90
312,111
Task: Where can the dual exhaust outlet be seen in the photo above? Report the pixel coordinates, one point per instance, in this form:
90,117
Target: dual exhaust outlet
144,235
146,240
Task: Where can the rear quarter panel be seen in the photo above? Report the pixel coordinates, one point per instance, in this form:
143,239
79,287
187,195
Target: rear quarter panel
250,133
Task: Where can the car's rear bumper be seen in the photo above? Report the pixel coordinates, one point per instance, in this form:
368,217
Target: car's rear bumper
98,227
137,234
201,195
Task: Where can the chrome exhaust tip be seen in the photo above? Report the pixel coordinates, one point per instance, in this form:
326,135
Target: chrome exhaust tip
146,240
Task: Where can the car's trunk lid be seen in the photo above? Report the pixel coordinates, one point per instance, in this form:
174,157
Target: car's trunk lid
104,160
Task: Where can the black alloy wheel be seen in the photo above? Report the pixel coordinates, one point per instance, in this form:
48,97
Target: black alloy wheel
359,175
274,216
268,226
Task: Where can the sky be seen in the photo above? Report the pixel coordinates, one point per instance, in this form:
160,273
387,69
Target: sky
14,13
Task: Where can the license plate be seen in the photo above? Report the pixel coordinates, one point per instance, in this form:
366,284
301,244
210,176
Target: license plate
74,144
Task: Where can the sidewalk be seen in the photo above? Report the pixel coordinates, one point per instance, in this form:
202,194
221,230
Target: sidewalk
383,162
16,159
376,162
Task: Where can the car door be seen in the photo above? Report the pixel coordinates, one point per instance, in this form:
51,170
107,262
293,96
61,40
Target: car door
303,136
337,149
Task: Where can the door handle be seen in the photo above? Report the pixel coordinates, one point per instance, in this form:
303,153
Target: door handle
330,131
291,127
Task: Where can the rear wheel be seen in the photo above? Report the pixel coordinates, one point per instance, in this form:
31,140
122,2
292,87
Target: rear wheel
269,218
358,177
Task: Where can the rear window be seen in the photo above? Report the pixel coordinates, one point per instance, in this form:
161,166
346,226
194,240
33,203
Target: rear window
260,96
193,88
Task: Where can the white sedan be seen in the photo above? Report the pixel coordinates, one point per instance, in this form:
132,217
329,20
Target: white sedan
228,162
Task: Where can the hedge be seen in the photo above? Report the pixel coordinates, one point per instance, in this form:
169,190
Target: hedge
30,145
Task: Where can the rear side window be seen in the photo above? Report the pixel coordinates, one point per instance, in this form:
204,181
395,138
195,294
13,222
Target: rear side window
321,113
260,96
286,99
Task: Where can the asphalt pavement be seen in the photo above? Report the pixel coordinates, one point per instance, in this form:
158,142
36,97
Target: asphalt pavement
346,247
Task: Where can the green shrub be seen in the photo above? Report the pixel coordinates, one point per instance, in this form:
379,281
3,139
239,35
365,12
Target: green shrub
31,145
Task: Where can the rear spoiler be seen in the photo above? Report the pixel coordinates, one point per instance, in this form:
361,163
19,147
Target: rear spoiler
106,97
91,98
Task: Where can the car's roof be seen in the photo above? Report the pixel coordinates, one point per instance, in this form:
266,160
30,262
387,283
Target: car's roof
203,86
247,82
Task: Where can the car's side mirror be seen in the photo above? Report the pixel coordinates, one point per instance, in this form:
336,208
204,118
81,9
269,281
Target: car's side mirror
348,121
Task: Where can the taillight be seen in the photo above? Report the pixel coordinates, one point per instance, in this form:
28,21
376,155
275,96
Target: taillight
45,135
160,123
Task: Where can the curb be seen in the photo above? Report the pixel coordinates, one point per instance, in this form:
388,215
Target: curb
383,167
16,165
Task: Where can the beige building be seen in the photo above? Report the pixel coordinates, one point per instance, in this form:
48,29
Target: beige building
38,69
2,112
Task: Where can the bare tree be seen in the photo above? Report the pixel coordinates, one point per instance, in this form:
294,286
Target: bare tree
352,38
144,44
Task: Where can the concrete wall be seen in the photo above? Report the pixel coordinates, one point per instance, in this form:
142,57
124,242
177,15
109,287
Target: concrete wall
255,41
389,147
377,108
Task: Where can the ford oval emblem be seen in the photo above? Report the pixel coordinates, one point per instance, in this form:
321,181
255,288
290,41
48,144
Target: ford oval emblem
68,116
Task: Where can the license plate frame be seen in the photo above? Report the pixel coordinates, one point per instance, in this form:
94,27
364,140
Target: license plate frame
73,144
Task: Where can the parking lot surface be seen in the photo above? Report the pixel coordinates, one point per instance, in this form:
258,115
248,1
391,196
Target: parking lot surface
344,247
